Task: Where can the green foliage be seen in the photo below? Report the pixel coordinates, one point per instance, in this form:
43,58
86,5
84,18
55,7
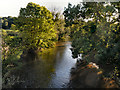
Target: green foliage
37,27
59,26
85,10
62,31
97,38
115,74
13,27
72,14
11,50
7,22
34,29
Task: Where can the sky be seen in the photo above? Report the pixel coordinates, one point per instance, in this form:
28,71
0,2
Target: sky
12,7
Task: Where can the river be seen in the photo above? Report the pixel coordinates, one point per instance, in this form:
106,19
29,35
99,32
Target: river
49,70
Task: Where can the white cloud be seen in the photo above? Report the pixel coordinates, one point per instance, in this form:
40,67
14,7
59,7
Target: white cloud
12,7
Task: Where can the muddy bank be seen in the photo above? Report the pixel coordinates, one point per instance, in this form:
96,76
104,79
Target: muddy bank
86,75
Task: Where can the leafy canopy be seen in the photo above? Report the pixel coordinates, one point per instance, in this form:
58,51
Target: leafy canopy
97,39
37,27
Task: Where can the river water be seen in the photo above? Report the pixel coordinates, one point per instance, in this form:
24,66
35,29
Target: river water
49,70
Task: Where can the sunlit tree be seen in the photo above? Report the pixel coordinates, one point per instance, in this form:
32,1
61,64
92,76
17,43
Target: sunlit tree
37,27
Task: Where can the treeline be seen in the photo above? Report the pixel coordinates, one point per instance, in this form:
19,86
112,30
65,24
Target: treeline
95,28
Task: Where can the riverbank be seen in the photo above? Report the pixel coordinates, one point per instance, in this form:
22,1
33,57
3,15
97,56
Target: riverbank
55,61
87,75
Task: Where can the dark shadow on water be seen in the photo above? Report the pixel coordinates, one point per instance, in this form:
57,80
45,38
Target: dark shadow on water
51,69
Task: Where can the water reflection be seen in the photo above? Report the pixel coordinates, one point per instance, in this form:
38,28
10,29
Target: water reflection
51,69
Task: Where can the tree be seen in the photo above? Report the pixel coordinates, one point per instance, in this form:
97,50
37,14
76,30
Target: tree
85,10
97,38
72,14
59,24
36,25
7,22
